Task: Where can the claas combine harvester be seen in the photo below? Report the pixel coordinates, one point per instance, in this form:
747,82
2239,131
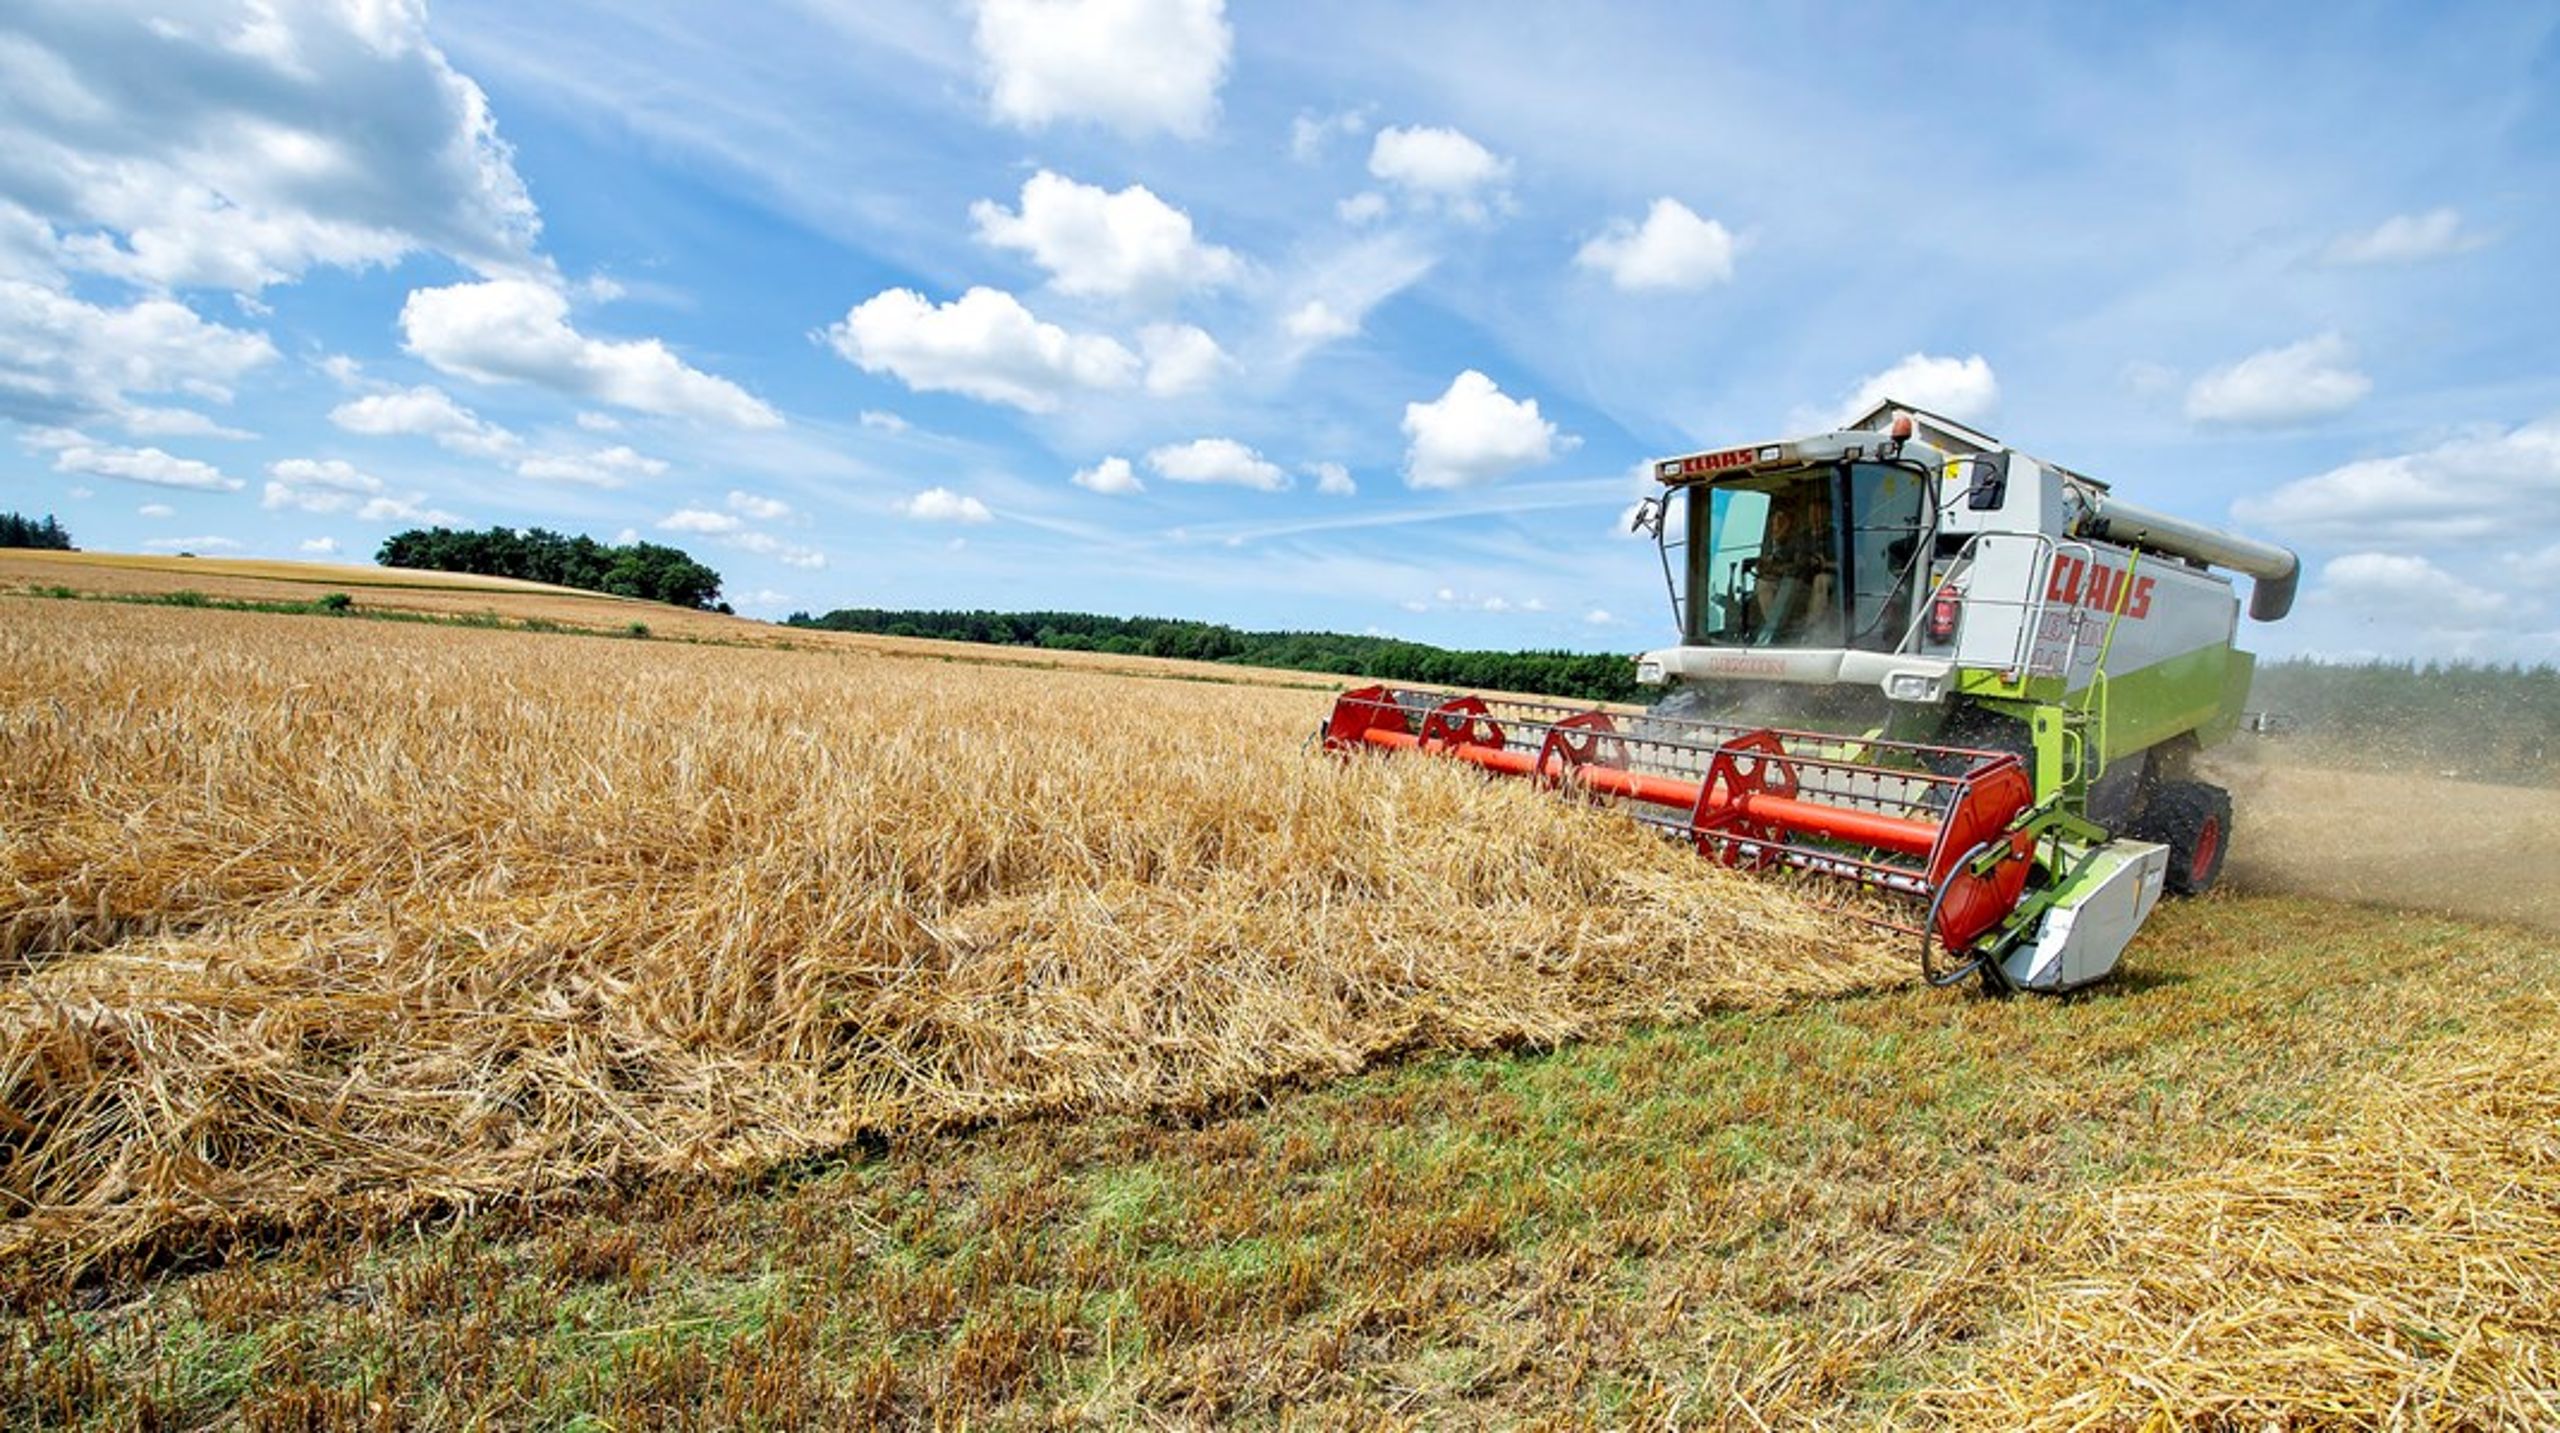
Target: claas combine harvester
1913,658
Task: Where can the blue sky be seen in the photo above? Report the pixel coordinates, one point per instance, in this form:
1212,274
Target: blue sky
1342,316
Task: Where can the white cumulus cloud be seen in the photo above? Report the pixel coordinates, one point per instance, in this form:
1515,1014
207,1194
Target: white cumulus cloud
790,554
1309,134
2467,489
518,331
317,546
983,344
731,530
1366,207
1217,460
1964,389
1137,66
1112,477
1316,321
943,505
63,359
333,485
428,412
1181,358
602,468
1440,166
239,145
1099,244
1332,479
145,422
701,520
2405,586
1672,249
150,466
1475,433
2296,383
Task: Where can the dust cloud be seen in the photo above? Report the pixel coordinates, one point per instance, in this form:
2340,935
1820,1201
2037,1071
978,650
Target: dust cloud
2414,839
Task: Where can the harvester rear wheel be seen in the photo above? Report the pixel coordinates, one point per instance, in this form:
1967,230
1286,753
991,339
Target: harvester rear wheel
2193,819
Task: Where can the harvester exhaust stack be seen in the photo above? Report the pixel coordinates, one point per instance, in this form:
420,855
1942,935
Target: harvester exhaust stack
1956,831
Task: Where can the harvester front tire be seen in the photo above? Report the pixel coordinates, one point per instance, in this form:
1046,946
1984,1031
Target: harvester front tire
2193,819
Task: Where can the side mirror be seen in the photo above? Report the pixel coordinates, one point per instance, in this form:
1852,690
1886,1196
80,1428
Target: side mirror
1648,516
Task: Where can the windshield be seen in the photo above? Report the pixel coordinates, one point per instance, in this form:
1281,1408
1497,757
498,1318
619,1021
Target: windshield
1812,557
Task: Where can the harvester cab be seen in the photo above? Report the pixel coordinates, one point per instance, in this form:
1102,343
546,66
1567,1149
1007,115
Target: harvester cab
1915,658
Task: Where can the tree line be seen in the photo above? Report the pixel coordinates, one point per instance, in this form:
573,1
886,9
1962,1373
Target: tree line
18,531
646,570
1586,675
2488,720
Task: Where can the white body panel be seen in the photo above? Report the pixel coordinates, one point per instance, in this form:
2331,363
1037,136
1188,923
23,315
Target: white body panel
1904,677
2079,940
2134,610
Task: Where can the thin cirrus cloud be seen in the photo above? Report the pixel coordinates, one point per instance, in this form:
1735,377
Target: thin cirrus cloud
2407,239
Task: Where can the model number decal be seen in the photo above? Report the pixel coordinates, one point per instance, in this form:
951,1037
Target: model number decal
2095,585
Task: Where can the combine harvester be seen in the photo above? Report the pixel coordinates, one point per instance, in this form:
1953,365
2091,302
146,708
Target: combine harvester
1916,659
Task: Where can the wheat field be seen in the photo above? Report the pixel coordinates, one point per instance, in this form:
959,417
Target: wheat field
309,919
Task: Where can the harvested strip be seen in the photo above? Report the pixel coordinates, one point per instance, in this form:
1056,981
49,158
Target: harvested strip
2400,1263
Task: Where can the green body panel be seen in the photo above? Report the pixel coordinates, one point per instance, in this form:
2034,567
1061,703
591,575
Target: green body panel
2237,673
2073,736
2184,694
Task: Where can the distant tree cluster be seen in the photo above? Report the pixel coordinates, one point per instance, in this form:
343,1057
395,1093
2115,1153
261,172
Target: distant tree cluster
2499,722
1590,676
641,569
16,531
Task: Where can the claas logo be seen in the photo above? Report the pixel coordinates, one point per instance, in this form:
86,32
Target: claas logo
2097,586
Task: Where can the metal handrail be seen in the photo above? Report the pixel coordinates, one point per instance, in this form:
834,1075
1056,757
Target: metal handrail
2033,608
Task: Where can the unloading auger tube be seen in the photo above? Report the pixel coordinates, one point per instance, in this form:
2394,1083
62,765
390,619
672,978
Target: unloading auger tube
1954,830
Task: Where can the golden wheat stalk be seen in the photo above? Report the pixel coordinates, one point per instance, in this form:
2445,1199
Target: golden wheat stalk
303,919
